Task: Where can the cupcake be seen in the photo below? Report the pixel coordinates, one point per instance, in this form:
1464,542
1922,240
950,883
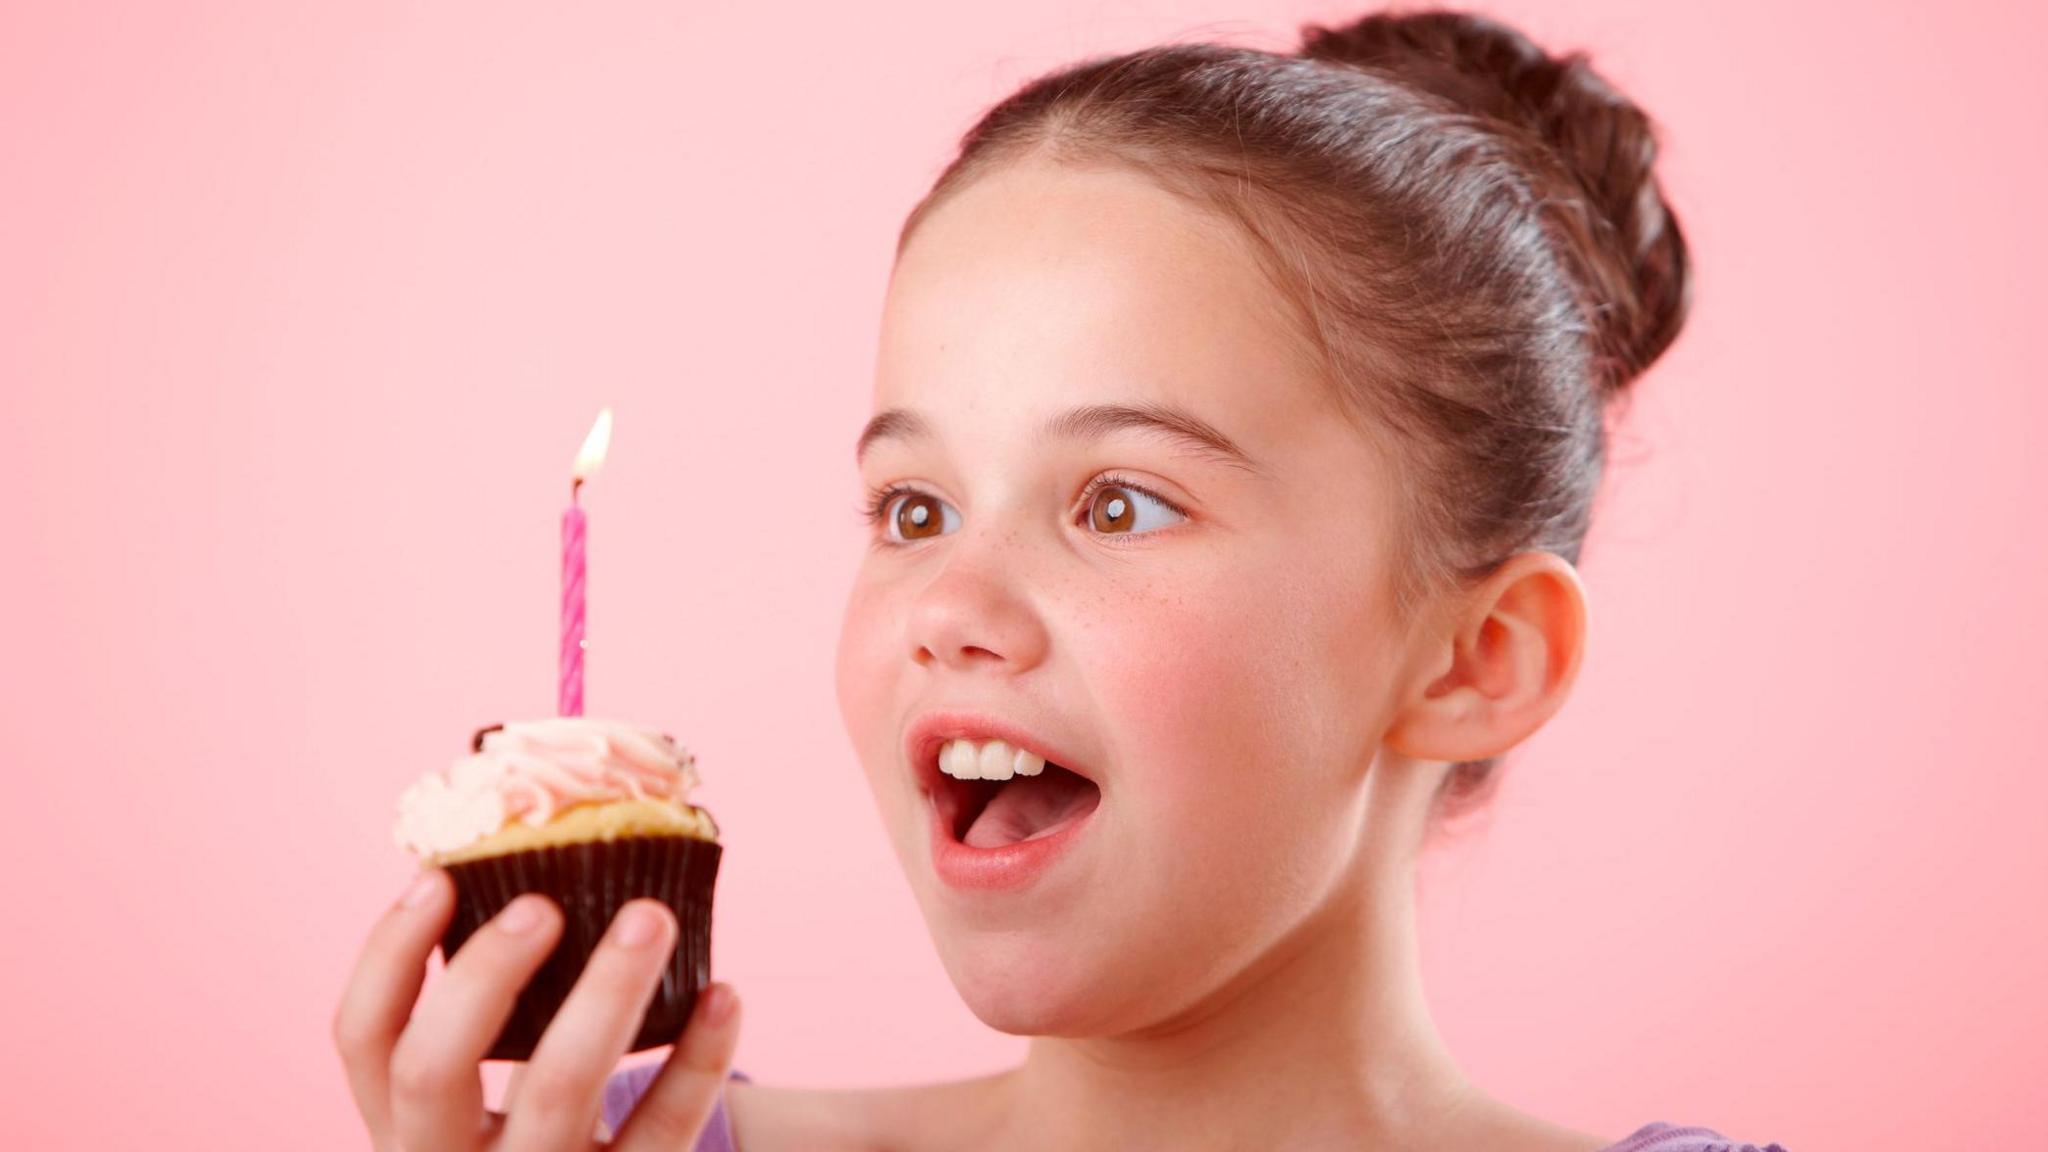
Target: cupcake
590,813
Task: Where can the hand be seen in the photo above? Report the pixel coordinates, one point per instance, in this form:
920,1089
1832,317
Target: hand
414,1072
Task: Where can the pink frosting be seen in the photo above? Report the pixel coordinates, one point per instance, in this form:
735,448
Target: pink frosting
529,771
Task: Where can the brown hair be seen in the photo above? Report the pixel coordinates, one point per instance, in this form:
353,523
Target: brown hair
1467,227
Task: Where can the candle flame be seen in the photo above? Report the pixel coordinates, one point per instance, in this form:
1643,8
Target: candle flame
594,446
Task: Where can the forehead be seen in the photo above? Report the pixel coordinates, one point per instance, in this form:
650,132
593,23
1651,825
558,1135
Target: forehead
1041,287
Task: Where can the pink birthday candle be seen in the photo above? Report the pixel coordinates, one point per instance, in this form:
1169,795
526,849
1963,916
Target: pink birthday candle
575,567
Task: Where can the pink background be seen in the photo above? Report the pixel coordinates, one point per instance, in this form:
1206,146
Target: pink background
305,308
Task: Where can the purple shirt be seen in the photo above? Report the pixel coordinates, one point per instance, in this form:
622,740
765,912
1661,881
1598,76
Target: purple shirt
1662,1137
624,1088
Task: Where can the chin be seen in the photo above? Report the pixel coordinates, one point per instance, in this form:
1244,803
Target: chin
1032,1008
1034,983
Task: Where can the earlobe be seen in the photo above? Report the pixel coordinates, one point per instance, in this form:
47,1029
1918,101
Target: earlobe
1504,669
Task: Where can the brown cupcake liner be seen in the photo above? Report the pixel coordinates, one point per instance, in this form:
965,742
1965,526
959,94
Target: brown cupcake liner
590,882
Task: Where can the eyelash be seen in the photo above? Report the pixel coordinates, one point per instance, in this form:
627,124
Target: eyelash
879,499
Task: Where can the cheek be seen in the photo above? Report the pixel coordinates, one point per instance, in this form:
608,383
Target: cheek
1221,686
1222,699
862,675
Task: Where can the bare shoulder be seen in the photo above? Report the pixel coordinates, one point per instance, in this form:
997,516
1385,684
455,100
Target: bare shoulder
772,1118
964,1113
903,1118
1496,1126
1555,1139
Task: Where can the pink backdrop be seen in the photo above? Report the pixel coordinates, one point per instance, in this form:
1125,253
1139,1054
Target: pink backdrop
304,309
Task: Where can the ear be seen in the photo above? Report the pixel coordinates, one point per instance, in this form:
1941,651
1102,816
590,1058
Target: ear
1503,669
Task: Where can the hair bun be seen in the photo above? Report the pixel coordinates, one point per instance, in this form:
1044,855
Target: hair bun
1637,263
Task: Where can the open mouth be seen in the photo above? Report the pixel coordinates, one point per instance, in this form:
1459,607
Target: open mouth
995,813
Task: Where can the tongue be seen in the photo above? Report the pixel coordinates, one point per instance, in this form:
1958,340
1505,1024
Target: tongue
1025,807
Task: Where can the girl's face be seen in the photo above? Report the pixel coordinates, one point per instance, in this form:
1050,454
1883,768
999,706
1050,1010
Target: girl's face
1211,638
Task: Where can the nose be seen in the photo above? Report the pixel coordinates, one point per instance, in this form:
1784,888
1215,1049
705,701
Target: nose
976,613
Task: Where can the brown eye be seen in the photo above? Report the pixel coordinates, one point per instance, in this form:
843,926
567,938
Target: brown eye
1114,508
918,516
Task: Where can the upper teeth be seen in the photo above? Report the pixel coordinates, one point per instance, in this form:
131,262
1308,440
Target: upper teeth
993,760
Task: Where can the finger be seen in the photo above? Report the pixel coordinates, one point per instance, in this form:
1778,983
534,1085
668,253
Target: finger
563,1092
512,1087
674,1109
437,1092
511,1098
380,993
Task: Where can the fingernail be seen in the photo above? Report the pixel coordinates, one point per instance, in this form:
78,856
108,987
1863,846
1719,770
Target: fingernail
417,892
721,1001
520,915
638,924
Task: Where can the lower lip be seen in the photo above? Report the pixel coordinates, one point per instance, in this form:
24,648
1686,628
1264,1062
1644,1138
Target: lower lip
1003,869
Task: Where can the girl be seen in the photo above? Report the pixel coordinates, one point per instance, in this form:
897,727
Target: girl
1237,420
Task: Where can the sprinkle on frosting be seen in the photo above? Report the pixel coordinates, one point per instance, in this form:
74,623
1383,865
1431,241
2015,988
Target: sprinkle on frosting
528,771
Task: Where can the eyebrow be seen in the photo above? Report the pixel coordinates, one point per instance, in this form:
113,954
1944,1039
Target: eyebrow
1090,422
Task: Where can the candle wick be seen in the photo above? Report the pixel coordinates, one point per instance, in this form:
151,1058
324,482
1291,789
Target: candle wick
575,486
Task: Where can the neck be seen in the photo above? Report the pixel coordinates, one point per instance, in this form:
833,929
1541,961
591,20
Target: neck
1327,1037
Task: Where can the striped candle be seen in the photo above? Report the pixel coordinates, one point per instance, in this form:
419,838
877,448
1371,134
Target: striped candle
570,697
575,568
